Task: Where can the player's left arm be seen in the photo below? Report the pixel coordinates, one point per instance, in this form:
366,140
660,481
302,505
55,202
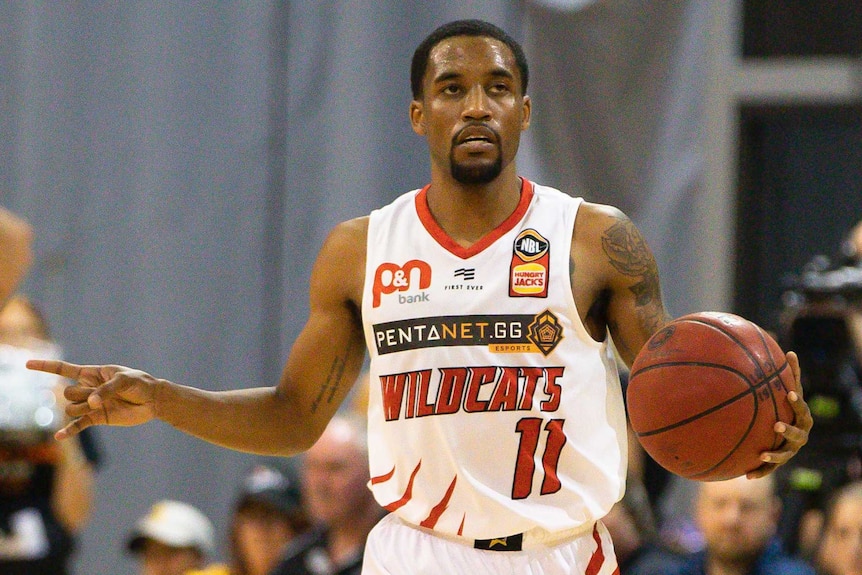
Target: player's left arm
615,278
628,301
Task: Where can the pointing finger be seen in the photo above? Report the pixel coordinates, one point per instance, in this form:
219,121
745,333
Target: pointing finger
59,367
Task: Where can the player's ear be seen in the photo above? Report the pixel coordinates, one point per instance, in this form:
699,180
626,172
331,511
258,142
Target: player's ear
525,114
417,117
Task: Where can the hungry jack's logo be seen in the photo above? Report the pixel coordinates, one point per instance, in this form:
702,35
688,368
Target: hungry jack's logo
528,273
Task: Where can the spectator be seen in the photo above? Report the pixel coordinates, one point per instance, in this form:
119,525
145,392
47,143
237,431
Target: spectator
852,247
839,551
334,487
46,487
16,255
267,517
173,538
739,520
632,527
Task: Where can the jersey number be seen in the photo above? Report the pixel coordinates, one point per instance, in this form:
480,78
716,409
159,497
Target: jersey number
530,428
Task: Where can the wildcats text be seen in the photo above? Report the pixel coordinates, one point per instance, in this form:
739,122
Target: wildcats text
470,389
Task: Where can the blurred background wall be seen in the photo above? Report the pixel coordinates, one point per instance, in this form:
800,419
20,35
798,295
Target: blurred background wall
181,164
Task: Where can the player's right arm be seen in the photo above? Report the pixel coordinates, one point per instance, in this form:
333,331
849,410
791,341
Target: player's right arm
284,419
16,255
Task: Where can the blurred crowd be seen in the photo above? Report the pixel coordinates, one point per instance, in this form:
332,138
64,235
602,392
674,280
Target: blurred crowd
310,515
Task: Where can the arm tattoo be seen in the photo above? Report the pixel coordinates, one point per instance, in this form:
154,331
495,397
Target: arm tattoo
622,348
333,381
628,253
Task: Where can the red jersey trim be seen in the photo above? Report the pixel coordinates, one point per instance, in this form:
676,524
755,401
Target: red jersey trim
451,245
598,557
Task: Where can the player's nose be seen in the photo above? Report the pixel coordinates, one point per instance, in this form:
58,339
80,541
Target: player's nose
476,104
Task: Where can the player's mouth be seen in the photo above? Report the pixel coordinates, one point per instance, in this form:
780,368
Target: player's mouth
476,138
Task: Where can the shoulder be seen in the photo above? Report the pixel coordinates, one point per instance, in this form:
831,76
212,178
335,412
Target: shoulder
294,555
596,218
693,564
351,230
14,227
339,271
405,201
775,561
599,227
604,229
347,239
788,566
654,560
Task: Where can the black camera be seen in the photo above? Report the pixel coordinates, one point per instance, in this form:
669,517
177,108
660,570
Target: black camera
820,279
815,324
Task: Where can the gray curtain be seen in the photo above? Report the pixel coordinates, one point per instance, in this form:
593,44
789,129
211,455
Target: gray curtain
182,162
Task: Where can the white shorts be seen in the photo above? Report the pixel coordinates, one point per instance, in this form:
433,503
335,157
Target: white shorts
395,547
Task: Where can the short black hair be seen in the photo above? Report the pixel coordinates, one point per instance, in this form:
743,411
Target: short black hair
463,28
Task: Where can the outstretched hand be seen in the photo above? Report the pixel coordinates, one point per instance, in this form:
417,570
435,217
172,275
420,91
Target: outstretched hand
102,394
795,435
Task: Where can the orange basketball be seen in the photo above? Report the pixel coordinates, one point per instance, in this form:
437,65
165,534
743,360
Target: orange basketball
704,395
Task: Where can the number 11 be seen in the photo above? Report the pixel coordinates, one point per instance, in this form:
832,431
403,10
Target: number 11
530,428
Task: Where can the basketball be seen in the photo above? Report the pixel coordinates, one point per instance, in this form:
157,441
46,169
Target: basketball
704,395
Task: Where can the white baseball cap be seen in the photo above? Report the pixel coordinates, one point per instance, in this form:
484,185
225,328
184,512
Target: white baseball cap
175,524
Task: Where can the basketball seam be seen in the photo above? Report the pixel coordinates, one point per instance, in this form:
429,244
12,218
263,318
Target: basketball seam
752,389
730,335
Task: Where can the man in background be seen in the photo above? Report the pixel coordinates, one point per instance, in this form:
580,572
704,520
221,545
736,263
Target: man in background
334,477
839,551
632,526
268,517
46,486
739,521
173,538
16,255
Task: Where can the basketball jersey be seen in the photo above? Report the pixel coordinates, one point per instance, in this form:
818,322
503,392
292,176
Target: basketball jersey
491,409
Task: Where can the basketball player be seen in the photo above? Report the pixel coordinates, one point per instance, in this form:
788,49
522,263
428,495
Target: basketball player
487,303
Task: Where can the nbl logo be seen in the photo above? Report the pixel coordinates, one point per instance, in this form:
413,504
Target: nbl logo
528,273
390,278
530,246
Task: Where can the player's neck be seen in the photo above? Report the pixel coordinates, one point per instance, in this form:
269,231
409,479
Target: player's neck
469,212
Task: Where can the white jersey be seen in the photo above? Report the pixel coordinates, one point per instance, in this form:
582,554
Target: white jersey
492,411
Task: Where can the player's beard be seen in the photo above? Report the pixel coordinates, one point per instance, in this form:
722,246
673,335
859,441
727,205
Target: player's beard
476,174
481,172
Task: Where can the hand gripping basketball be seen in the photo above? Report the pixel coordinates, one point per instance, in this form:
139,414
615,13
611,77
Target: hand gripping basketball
712,396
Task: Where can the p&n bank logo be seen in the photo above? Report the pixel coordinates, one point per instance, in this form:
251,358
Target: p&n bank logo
390,278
